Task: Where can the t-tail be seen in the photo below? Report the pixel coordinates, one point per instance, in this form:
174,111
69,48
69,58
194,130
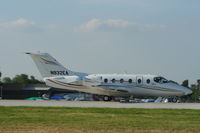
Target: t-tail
50,67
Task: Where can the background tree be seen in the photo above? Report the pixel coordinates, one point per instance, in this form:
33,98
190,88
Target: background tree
198,84
22,79
7,80
0,79
196,91
35,81
185,83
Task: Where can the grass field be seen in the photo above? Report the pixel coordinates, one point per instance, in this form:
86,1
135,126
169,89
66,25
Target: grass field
97,120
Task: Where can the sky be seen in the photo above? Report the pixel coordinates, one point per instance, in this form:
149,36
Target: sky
159,37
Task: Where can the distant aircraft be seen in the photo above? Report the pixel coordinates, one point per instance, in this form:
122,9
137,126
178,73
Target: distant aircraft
107,85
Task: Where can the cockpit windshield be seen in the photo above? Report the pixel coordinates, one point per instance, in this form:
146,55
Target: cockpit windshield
160,80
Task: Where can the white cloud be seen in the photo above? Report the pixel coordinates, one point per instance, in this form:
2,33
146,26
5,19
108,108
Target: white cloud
117,24
23,25
17,23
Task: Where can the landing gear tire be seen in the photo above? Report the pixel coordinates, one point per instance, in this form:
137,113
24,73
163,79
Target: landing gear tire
174,99
48,94
45,96
107,98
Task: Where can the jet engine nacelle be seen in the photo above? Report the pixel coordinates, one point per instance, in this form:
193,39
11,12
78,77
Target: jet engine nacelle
66,79
70,79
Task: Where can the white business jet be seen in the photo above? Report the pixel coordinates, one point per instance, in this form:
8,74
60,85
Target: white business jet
107,85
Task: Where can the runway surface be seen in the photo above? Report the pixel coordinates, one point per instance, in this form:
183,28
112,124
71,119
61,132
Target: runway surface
98,104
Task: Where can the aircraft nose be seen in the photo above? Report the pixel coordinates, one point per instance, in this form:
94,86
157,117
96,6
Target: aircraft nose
186,90
182,89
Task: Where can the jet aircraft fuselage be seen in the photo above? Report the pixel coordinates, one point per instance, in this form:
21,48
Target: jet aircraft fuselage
57,76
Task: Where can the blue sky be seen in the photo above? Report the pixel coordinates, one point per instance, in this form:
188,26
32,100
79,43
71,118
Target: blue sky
103,36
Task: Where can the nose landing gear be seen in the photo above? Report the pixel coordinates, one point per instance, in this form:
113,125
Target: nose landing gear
174,99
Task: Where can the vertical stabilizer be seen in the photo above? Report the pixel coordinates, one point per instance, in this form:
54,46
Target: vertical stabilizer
48,66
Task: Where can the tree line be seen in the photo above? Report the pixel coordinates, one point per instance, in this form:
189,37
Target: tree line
195,88
21,79
25,79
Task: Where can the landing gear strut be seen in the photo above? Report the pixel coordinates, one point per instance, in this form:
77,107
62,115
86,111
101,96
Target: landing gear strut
48,94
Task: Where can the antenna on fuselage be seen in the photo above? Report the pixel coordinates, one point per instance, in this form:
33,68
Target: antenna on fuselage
125,72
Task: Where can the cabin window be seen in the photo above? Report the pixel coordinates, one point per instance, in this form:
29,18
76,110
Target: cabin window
148,81
139,81
121,80
106,80
130,80
113,80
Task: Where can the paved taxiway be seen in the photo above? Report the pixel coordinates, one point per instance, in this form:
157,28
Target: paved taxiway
98,104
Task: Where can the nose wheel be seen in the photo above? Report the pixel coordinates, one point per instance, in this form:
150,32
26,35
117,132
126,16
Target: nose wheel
107,98
174,99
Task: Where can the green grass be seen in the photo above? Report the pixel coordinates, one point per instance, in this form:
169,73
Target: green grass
62,119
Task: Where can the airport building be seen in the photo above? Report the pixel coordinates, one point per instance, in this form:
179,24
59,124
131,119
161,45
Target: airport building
19,91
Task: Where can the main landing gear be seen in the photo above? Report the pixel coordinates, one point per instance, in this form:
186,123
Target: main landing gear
107,98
